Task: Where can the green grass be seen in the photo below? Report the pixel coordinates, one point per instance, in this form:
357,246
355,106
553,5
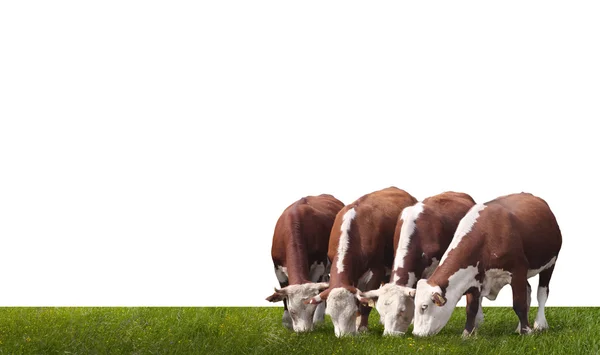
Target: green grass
259,331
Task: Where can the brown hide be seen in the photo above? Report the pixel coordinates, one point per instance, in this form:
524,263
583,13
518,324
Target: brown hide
301,235
514,233
370,237
434,229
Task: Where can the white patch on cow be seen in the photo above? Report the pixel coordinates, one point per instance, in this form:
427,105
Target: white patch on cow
431,318
364,280
344,242
464,227
493,282
430,269
412,279
533,272
540,319
281,273
409,216
342,308
316,271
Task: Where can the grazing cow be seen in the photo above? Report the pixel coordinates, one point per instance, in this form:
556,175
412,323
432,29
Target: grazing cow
422,235
299,253
504,241
361,249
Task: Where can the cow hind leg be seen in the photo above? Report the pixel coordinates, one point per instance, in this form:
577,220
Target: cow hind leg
520,306
542,296
518,330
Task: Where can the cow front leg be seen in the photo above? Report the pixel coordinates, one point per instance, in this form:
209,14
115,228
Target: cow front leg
287,319
474,312
369,281
520,304
518,330
319,272
319,315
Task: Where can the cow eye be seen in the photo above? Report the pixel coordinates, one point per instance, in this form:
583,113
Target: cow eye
423,308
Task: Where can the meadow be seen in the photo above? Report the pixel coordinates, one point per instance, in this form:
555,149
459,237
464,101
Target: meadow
258,330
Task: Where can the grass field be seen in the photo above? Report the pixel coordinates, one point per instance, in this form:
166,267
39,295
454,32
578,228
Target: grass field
259,331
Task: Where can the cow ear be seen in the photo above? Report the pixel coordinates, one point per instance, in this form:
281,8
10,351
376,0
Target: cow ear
368,298
322,286
315,300
318,298
410,292
278,296
438,299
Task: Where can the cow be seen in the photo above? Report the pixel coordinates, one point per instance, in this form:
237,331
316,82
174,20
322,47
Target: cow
361,249
423,233
504,241
299,253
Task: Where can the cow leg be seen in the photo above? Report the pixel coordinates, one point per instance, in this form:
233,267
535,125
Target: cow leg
364,311
318,274
473,312
287,319
518,330
542,295
520,306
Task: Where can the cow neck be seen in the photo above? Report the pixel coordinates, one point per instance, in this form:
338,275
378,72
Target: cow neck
297,255
339,279
462,259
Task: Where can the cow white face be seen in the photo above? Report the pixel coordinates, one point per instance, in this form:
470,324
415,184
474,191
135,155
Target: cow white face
395,305
300,312
432,312
342,306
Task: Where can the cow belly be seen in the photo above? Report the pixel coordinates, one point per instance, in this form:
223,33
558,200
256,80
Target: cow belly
494,280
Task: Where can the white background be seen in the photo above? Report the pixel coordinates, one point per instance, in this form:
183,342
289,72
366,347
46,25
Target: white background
147,148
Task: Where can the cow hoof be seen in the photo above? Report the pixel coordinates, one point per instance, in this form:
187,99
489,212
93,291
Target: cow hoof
538,327
526,331
466,334
362,329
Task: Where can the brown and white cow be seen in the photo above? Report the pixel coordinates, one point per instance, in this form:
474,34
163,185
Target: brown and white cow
361,248
504,241
423,233
299,253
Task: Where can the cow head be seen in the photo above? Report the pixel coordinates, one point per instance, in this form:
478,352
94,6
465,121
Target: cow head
300,311
432,311
395,305
342,307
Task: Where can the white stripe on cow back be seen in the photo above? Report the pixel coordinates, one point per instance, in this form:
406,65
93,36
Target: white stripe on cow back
409,216
464,227
344,238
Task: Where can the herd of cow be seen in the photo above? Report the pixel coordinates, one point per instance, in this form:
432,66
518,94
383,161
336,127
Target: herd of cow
335,259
